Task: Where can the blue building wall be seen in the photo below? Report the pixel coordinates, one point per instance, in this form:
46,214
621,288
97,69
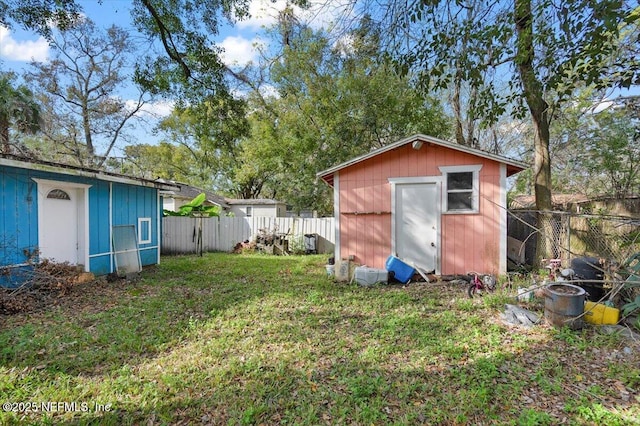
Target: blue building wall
18,217
99,228
109,204
139,202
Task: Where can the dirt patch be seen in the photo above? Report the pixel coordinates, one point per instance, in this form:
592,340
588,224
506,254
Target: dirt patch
63,288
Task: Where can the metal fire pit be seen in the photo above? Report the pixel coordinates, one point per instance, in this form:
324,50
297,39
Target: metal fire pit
564,305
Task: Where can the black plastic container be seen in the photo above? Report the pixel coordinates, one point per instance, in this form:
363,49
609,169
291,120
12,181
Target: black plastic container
590,270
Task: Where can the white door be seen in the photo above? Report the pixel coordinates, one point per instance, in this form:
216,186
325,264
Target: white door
416,224
61,221
59,233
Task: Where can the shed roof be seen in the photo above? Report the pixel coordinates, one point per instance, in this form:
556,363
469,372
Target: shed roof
11,160
513,166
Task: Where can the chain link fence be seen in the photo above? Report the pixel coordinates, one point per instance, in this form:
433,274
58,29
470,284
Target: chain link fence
614,238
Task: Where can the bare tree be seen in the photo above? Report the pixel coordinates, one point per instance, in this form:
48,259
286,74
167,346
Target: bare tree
85,116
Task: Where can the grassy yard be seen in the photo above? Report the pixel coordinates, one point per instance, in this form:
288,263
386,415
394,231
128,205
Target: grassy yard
249,339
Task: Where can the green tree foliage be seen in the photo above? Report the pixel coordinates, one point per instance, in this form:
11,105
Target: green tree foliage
159,161
19,111
335,101
190,67
38,15
195,208
613,153
79,86
547,51
209,132
183,60
597,147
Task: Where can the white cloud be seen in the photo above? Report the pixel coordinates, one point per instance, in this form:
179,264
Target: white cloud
154,109
262,13
239,50
320,14
159,108
22,50
269,91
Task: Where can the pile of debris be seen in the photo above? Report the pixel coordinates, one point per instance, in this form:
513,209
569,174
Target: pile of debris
40,284
269,241
519,316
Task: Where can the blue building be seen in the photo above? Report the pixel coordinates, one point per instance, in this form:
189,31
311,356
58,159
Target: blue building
75,215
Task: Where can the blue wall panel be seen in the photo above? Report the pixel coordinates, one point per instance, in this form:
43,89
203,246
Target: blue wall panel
100,265
131,203
18,217
99,234
149,256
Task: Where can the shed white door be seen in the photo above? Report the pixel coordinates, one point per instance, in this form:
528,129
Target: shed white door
61,222
416,222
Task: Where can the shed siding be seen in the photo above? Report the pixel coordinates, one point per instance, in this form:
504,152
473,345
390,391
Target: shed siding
18,201
469,241
99,230
138,202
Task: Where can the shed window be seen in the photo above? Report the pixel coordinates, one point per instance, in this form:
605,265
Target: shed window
144,230
249,211
58,194
461,189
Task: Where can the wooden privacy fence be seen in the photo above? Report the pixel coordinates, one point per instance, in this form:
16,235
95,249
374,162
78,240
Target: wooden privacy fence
181,235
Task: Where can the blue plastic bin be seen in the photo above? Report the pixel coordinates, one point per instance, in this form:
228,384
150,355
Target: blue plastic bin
402,272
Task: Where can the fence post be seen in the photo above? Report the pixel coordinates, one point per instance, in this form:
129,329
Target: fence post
569,251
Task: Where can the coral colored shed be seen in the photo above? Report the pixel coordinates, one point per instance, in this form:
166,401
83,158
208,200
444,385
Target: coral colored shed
434,204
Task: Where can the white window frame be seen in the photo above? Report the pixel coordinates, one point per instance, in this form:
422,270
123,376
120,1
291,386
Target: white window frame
475,188
146,222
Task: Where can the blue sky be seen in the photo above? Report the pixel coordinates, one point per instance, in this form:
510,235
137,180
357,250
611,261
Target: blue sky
239,41
18,47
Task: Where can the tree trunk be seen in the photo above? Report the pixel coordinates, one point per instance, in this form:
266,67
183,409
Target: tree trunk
457,110
538,107
88,139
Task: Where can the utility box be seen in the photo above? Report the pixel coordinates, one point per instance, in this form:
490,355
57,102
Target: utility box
343,270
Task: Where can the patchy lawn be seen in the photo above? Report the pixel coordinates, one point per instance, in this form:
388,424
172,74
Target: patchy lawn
249,339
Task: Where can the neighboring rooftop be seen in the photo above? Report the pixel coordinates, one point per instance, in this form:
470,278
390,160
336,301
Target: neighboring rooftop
557,201
189,192
253,201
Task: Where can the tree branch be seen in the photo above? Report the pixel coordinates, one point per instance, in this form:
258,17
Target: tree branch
167,40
